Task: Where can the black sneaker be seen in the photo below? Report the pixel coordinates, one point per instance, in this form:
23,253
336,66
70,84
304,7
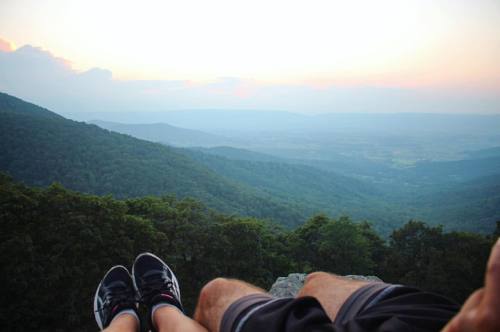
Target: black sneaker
115,293
155,283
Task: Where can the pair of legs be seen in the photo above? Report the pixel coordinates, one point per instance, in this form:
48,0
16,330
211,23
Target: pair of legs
480,312
165,319
216,296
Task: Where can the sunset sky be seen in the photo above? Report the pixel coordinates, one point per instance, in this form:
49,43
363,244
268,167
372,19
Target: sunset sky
451,46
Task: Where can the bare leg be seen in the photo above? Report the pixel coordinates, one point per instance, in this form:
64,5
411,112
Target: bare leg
217,296
170,319
330,290
123,323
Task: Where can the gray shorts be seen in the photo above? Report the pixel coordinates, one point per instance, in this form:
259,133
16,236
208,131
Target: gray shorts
239,311
374,307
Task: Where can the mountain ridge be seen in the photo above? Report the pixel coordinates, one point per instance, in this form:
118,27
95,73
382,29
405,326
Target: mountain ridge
40,147
165,133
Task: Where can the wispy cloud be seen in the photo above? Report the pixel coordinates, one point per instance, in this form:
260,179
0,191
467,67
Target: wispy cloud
37,75
6,46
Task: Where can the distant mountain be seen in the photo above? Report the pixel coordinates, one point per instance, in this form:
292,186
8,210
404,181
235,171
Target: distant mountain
206,120
312,189
484,153
453,171
165,133
359,139
240,154
409,124
336,164
474,204
39,147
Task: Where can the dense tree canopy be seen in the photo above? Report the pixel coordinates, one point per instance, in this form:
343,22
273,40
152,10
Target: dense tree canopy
56,244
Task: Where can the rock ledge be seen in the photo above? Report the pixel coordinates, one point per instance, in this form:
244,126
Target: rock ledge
290,286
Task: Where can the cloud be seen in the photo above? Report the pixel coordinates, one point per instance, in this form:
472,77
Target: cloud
37,75
6,46
96,74
232,87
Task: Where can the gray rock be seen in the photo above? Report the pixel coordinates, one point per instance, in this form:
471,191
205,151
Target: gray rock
363,278
290,286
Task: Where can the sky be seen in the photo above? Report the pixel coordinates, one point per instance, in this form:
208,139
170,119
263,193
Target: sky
305,56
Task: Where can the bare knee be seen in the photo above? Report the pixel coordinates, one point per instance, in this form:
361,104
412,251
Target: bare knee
215,297
311,277
212,290
315,283
214,285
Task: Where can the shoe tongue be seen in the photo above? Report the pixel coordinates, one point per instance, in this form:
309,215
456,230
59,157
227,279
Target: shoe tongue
116,285
154,275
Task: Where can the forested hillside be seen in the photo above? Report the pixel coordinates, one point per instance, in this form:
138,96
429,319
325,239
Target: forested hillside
312,189
55,246
165,133
450,193
475,200
437,173
39,147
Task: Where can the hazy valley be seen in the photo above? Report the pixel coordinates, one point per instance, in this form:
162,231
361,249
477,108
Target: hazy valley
370,172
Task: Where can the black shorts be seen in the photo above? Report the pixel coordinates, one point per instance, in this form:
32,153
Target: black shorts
374,307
